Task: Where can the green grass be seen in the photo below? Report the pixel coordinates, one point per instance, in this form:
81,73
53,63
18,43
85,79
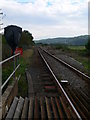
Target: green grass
76,47
81,56
6,71
25,63
77,52
61,46
86,63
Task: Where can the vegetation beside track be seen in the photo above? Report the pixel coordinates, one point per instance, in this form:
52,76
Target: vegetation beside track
82,56
25,63
26,42
80,53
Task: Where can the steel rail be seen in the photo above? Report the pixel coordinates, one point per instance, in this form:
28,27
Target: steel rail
73,108
9,77
76,70
9,58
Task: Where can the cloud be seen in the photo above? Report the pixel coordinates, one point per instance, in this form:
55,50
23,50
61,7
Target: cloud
47,18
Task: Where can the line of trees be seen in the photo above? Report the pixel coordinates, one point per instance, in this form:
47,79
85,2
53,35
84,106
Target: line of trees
26,39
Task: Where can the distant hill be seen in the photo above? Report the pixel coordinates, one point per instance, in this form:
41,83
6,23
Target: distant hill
79,40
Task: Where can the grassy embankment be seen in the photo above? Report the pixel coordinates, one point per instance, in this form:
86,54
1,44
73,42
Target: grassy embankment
25,61
79,53
26,42
81,56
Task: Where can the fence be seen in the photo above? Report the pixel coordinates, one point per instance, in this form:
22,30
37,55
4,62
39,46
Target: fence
16,65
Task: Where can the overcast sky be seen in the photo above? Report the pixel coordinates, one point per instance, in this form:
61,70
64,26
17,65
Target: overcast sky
47,18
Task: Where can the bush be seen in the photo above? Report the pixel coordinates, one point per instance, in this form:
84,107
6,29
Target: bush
61,46
88,47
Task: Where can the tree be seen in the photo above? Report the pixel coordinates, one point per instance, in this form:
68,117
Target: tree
88,46
26,39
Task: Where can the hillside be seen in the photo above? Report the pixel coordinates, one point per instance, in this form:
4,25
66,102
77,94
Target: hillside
80,40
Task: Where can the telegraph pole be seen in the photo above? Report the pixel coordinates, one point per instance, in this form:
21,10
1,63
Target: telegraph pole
1,14
1,17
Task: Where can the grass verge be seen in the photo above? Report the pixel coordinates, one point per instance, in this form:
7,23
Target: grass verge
81,56
25,61
77,52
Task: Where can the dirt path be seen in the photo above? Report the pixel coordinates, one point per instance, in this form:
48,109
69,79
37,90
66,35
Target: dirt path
35,72
41,78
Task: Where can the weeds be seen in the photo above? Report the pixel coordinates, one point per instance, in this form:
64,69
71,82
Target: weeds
8,69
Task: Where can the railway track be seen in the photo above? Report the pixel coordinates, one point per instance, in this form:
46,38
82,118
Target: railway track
84,76
49,100
79,98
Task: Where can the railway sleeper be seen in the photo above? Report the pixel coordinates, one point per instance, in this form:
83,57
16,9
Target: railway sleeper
75,104
25,109
11,111
83,101
19,108
78,105
84,96
41,108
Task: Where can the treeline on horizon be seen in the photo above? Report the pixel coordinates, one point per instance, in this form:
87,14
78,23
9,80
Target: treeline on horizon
79,40
26,41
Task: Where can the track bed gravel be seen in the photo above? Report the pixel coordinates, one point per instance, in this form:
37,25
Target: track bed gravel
64,73
67,57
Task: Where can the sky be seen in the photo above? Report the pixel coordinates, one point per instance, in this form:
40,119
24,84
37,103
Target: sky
47,18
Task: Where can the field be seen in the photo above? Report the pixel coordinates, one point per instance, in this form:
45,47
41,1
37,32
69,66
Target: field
81,56
77,48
